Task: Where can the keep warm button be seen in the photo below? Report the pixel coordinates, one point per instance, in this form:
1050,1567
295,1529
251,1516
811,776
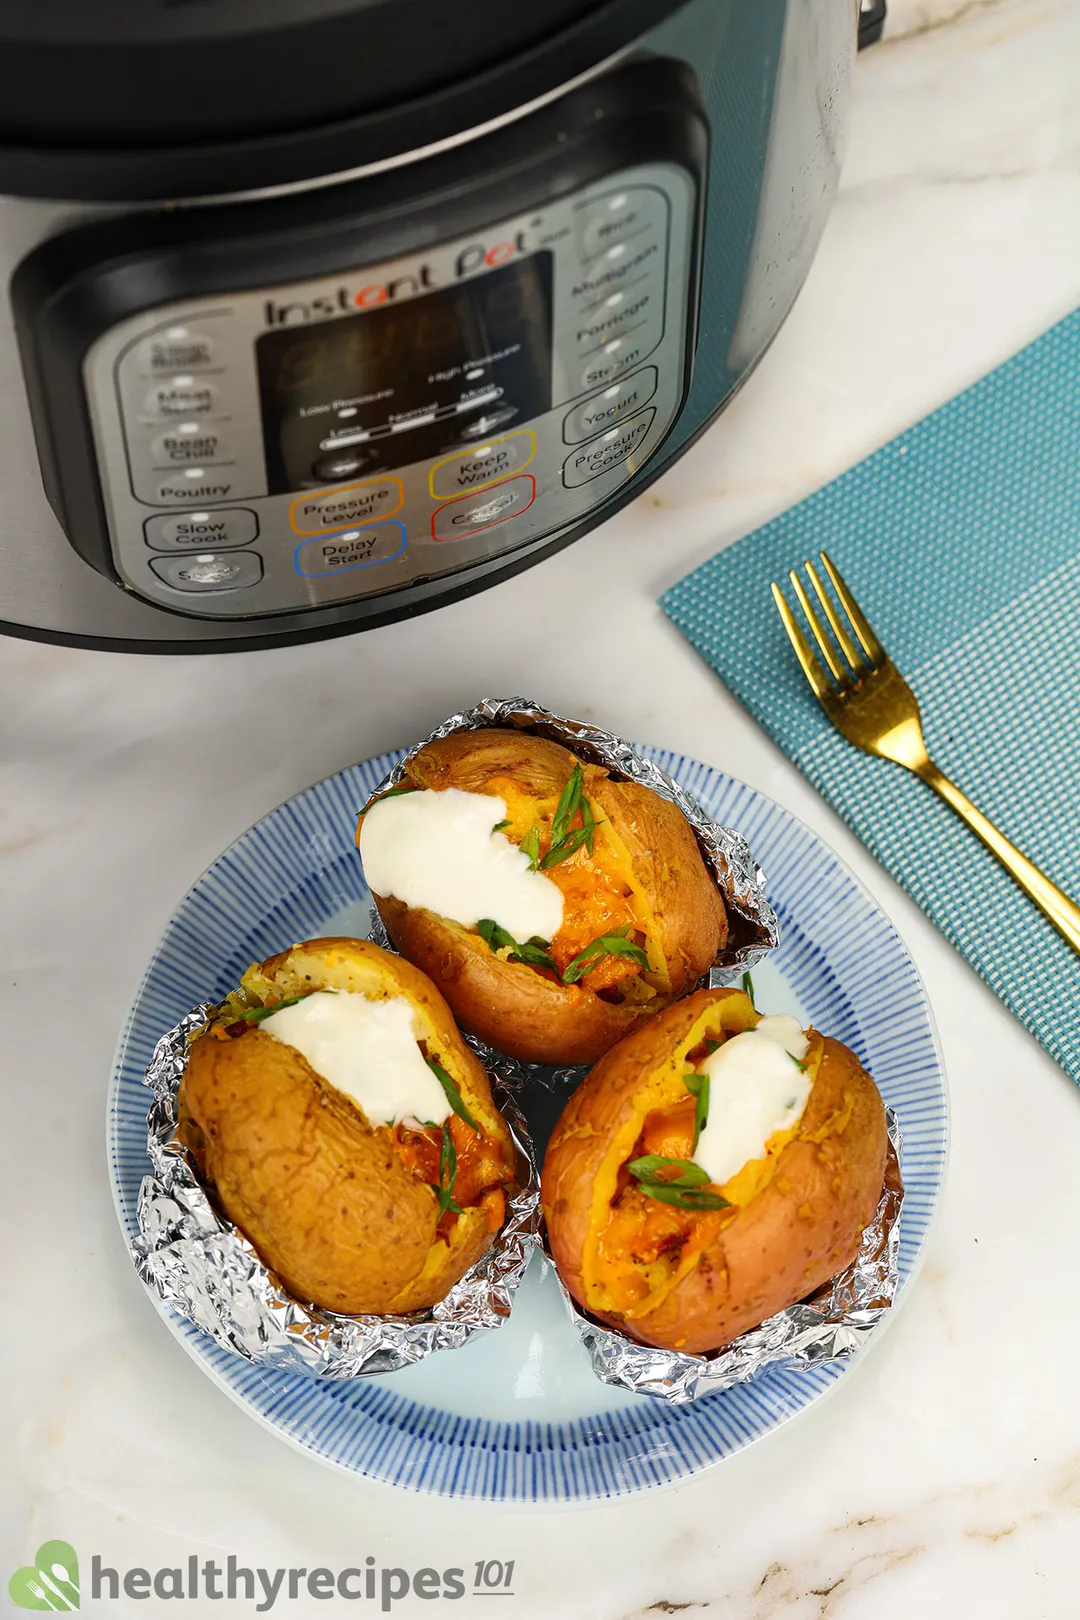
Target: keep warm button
611,449
356,548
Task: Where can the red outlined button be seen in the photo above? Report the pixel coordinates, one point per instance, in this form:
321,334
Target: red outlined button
472,513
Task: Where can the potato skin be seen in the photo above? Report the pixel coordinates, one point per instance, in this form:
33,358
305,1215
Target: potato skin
320,1193
510,1005
799,1230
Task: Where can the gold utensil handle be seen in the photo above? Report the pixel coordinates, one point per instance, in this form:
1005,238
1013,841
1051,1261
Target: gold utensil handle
1051,901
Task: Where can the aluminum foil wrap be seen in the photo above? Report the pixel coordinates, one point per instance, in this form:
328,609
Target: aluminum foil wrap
834,1322
752,924
200,1264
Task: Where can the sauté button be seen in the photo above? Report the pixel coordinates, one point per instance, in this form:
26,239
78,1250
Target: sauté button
184,531
181,396
356,548
206,571
346,507
609,450
188,443
604,410
176,348
472,513
483,464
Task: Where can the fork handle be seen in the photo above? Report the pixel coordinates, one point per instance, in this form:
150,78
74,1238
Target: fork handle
1054,904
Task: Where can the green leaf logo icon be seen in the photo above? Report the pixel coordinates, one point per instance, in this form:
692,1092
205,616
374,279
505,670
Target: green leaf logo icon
50,1582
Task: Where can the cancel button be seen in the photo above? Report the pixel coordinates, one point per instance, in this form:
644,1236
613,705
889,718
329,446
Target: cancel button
610,450
611,407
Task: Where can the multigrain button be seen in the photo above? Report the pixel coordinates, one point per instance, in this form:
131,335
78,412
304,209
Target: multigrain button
206,571
346,507
611,407
181,396
483,464
472,513
611,449
356,548
184,531
176,348
187,443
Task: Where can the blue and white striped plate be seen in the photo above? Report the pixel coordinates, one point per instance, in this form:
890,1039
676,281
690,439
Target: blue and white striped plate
517,1416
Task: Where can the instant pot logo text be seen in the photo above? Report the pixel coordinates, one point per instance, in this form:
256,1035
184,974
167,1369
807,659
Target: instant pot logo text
52,1582
346,300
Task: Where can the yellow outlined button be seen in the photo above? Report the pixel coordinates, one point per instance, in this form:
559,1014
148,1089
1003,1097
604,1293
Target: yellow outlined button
331,509
457,475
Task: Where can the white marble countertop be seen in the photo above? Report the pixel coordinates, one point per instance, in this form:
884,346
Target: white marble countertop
943,1476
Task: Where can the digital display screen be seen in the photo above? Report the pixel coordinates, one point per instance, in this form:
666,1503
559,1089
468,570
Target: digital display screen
403,382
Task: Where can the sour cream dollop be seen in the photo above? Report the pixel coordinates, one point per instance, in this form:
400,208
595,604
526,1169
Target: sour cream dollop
756,1088
368,1050
438,851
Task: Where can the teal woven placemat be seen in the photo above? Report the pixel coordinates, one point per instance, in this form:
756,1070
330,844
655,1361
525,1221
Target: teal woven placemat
961,539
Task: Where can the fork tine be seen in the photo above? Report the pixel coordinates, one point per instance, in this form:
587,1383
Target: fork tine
860,623
821,635
839,630
810,666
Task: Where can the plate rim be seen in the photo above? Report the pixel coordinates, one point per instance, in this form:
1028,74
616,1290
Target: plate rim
583,1493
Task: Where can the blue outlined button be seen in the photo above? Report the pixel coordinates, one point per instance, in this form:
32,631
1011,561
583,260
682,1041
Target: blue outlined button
353,548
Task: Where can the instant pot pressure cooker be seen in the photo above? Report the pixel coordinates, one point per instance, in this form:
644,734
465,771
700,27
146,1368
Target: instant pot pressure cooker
327,312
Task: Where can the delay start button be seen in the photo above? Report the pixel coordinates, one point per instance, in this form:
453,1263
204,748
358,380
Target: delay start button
356,548
611,449
614,405
347,506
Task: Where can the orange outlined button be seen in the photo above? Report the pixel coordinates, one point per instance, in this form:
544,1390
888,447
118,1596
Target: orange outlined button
348,507
483,464
471,513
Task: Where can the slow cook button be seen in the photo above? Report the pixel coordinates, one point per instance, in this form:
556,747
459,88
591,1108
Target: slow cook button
181,396
207,571
352,504
186,530
177,348
186,443
356,548
616,403
622,217
468,515
483,464
612,448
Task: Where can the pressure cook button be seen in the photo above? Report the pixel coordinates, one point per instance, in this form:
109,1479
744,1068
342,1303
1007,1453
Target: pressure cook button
184,531
207,571
483,463
186,443
177,348
195,485
181,396
611,449
356,548
611,407
346,507
468,515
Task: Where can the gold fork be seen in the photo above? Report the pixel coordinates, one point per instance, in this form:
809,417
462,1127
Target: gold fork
870,703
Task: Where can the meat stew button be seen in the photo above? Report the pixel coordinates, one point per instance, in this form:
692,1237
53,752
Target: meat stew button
606,410
610,450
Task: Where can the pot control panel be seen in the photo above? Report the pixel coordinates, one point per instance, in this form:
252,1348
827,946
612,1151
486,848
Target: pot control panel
313,442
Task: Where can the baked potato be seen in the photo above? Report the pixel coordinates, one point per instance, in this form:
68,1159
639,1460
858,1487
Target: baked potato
695,1184
555,906
353,1213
